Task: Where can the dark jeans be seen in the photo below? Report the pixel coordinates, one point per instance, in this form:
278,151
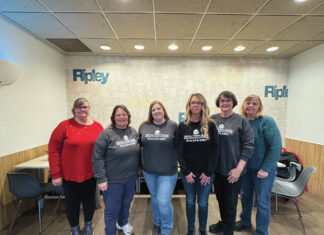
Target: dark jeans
227,195
192,191
117,199
75,193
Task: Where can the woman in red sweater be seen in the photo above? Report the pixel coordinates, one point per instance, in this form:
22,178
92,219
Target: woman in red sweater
70,151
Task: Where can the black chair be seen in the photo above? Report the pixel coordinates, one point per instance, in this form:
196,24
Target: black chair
25,186
60,193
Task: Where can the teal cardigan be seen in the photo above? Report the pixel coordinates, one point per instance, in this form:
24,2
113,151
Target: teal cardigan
267,144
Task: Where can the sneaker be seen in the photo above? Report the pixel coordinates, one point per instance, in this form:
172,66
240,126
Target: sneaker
75,230
216,228
127,229
88,230
239,226
156,230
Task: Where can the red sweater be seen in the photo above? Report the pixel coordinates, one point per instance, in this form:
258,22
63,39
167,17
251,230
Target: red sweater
70,150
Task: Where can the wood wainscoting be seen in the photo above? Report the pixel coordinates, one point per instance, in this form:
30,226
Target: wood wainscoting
7,207
310,155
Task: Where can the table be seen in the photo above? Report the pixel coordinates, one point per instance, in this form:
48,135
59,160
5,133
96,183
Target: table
39,163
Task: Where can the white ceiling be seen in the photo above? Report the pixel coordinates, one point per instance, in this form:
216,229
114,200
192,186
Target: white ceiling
190,24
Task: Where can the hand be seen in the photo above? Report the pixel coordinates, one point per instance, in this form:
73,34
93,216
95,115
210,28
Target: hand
234,175
190,178
262,174
204,179
103,186
57,182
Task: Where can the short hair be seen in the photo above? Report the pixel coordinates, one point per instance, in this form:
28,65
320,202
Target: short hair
78,102
150,116
251,97
113,114
227,94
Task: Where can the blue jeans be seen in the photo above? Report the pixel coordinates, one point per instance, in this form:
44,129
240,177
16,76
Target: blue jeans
192,190
262,188
161,188
117,199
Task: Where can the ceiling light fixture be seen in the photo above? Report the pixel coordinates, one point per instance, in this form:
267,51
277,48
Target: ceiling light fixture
271,49
239,48
206,48
173,47
298,1
105,47
139,47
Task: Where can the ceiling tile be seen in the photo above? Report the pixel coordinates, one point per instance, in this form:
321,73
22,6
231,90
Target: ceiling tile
132,25
304,29
264,27
283,46
220,26
126,5
162,46
43,25
301,47
128,44
232,6
180,5
319,10
177,26
19,5
86,25
196,46
69,45
94,45
289,7
71,5
249,46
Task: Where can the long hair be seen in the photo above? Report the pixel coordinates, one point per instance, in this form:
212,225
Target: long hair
204,113
150,116
113,114
249,98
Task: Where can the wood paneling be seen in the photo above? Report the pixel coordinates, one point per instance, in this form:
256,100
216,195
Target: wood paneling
7,162
310,155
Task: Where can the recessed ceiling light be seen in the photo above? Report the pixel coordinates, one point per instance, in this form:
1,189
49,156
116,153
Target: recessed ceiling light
239,48
105,47
173,47
271,49
206,48
300,0
139,47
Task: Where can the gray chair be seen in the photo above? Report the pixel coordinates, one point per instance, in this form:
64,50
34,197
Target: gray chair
293,189
25,186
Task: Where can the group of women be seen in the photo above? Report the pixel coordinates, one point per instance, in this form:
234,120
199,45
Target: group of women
238,153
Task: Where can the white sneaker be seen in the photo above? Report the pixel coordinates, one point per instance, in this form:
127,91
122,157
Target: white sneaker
127,229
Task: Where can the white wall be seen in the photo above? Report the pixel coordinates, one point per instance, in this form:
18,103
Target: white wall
36,103
305,112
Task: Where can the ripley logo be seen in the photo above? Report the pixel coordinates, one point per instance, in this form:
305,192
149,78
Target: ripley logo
93,76
276,93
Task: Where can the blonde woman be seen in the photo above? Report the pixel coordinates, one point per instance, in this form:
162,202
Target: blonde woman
261,168
197,146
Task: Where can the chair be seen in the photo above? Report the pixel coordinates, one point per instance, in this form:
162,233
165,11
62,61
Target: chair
293,189
25,186
59,192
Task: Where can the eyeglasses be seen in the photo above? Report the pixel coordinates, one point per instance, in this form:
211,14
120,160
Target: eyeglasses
226,101
82,107
196,102
121,115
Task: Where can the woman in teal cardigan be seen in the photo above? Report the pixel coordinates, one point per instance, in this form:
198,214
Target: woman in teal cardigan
261,169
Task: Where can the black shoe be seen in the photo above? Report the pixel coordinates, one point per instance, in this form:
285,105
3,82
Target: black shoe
156,230
216,228
239,226
190,232
202,232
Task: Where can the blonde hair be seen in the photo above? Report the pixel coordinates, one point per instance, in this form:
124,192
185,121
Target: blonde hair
204,113
78,102
249,98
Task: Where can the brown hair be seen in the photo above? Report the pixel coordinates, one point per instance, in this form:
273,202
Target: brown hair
78,102
252,97
150,116
227,94
113,114
204,113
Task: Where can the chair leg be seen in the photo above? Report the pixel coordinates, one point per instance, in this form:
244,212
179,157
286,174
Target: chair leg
276,202
57,204
12,223
300,216
40,215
